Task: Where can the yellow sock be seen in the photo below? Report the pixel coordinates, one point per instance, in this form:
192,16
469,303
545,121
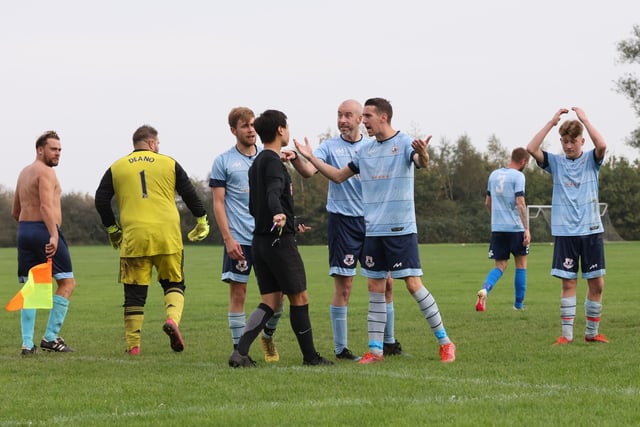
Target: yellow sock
133,318
174,304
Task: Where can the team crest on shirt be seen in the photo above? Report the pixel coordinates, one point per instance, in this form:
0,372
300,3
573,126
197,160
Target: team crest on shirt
368,261
242,265
568,263
394,149
348,260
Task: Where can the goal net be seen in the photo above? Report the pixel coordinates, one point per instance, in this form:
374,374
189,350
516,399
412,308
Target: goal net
540,224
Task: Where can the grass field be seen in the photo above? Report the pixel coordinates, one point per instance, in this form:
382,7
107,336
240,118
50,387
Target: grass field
507,372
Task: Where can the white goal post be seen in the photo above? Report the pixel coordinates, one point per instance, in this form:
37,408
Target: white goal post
544,213
533,211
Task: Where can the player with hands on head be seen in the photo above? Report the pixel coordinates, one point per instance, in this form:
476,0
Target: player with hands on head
386,167
575,218
144,184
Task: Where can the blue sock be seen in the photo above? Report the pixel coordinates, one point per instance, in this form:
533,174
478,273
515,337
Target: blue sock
56,317
339,326
389,328
27,323
520,285
493,276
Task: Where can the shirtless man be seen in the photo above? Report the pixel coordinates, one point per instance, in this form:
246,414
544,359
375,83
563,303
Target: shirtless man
36,207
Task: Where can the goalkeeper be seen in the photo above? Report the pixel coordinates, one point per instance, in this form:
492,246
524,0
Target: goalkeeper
144,184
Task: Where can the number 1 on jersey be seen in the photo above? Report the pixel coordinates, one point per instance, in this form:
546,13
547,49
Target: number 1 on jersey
143,182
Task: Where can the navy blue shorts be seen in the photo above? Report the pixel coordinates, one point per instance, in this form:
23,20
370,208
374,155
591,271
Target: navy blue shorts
505,243
346,239
568,251
237,270
278,264
396,254
32,238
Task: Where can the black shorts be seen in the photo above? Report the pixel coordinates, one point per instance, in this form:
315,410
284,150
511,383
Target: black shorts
504,243
571,251
278,265
237,270
346,238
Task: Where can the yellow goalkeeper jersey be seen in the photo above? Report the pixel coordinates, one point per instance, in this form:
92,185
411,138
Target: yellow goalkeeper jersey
145,189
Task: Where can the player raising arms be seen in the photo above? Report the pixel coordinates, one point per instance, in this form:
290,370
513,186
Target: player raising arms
575,218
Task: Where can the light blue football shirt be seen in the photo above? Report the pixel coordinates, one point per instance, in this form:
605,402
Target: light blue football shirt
231,171
575,209
503,186
344,198
386,175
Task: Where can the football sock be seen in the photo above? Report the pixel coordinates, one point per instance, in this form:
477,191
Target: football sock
493,277
520,286
339,326
257,319
430,311
376,321
174,303
567,315
56,317
301,325
133,319
237,321
389,328
592,310
27,324
272,323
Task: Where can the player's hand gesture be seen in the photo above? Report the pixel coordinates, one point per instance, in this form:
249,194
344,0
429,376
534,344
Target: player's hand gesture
556,117
305,149
582,116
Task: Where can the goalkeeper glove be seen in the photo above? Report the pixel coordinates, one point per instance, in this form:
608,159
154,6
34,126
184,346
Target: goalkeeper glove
200,231
115,235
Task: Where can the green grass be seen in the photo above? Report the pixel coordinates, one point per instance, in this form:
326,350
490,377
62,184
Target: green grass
507,371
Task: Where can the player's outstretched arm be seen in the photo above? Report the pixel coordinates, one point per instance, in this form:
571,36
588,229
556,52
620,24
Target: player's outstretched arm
304,168
334,174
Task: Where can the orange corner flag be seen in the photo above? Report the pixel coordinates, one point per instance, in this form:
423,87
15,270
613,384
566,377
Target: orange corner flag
37,292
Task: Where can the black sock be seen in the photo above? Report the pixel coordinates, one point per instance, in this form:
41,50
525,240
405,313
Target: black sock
301,325
256,322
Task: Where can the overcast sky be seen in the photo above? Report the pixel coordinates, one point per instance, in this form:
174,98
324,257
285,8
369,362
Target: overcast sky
95,71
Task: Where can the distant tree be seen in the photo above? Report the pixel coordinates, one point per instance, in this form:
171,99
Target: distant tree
629,85
328,134
620,189
8,226
81,223
497,155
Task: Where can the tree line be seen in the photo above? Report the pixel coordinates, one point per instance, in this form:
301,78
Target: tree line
449,199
